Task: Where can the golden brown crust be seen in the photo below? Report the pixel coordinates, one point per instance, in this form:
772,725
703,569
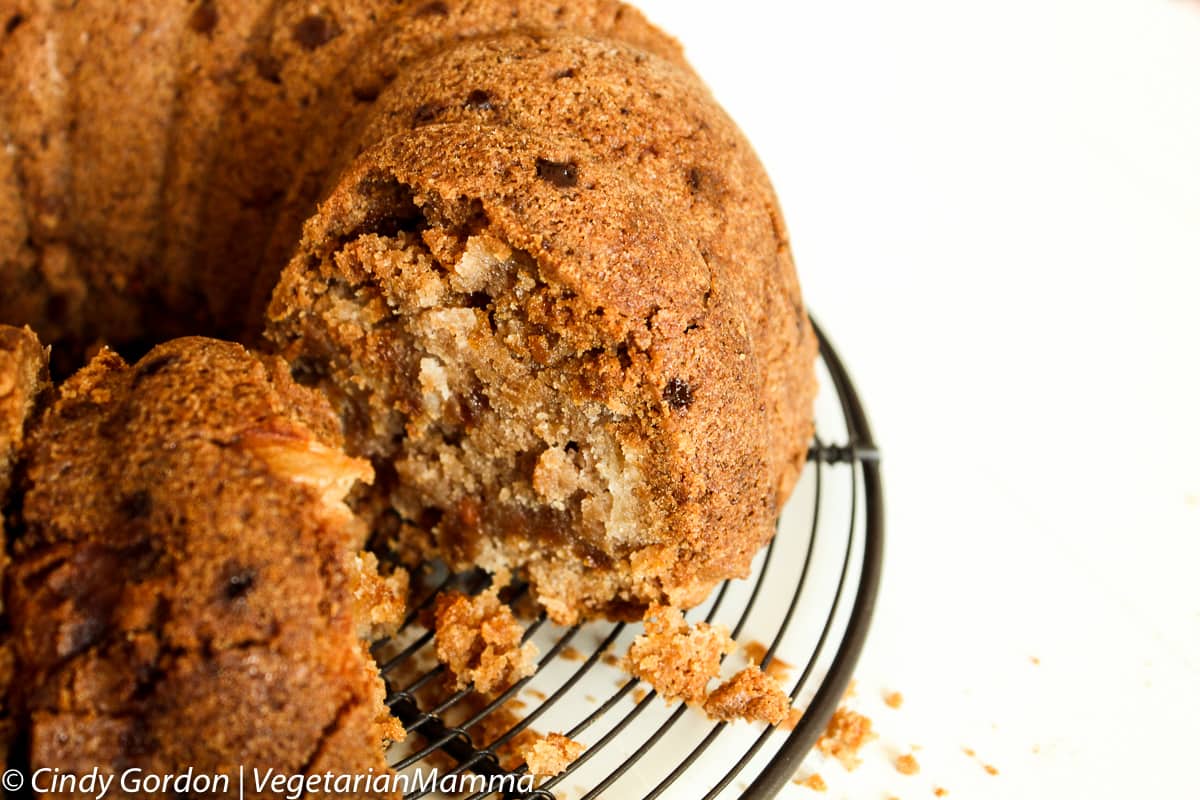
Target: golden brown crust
184,545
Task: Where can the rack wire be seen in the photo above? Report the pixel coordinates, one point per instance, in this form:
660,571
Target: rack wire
809,599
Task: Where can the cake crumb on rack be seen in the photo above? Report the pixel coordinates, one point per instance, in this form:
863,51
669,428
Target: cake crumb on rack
938,791
678,659
845,735
550,755
907,765
751,695
813,781
479,641
990,770
893,699
380,597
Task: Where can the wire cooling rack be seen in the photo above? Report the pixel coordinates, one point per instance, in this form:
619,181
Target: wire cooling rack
807,603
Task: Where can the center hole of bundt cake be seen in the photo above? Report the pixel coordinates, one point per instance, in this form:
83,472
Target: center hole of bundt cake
459,370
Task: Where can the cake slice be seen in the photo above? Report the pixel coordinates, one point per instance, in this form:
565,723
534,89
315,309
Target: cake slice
186,588
545,372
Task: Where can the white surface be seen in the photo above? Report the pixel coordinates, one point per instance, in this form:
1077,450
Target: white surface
995,207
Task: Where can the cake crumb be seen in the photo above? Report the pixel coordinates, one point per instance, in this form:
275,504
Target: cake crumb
571,654
611,660
793,719
970,753
536,694
814,782
639,694
940,792
678,659
751,695
893,699
479,641
379,597
990,770
907,765
845,735
550,755
1037,662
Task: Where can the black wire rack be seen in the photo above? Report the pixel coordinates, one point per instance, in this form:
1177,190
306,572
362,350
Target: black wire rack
809,599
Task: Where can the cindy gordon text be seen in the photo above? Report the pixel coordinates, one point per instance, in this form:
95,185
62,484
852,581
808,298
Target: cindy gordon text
258,782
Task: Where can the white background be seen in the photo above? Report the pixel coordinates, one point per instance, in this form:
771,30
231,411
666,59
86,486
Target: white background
995,209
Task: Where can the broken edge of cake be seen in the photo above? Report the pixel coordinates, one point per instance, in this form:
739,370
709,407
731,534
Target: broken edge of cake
680,660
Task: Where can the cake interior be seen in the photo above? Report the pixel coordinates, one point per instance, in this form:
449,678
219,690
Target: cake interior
473,384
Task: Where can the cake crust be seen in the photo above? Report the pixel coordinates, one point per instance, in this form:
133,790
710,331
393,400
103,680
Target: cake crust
23,385
185,563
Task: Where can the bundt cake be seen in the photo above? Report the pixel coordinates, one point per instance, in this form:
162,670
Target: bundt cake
549,289
186,589
519,295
